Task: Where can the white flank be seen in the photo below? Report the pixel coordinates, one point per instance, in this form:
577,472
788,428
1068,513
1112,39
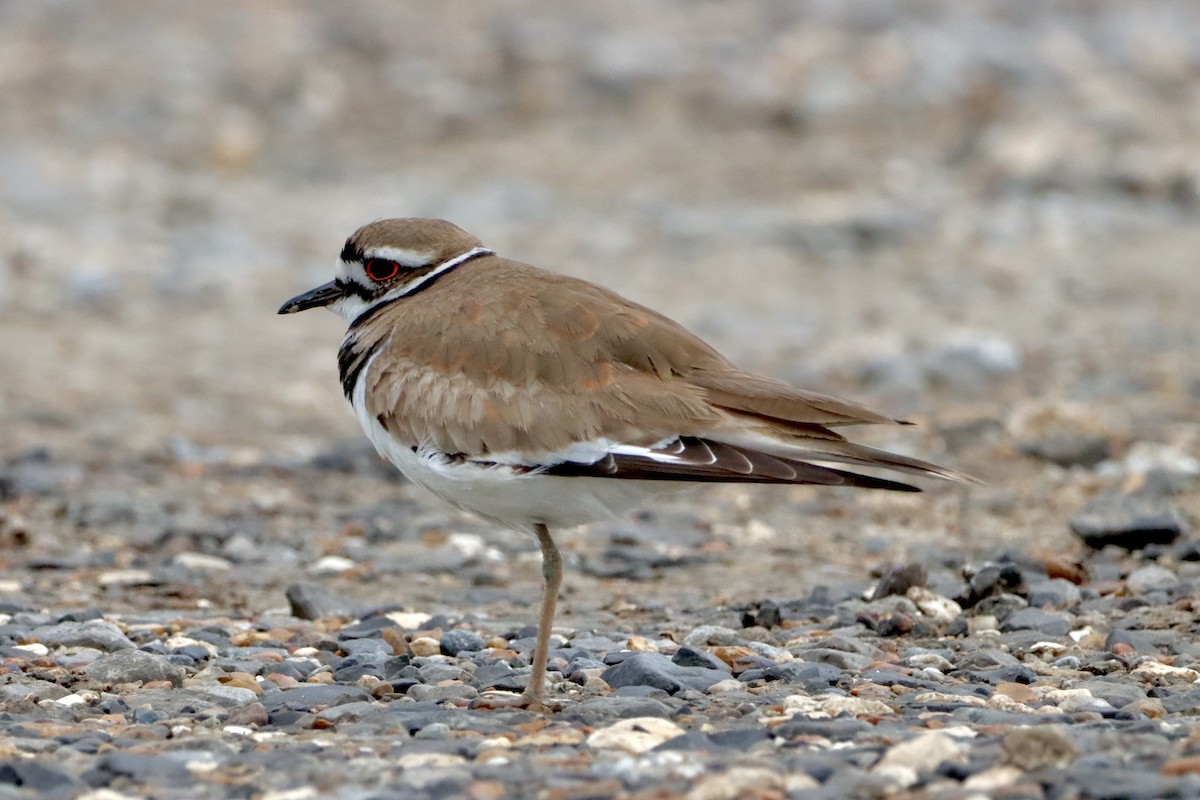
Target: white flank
506,491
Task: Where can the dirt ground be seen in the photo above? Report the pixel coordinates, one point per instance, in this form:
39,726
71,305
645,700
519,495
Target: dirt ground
981,217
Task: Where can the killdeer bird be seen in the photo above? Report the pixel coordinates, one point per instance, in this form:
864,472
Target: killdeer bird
541,401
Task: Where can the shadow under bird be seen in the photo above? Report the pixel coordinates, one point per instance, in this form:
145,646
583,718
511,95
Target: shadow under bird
540,401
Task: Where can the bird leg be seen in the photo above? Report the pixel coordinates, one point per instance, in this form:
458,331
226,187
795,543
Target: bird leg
551,581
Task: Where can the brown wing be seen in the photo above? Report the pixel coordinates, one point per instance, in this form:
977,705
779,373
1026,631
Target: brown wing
481,364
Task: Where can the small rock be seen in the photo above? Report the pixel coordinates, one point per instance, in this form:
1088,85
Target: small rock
658,671
458,641
921,755
899,578
747,781
636,735
1128,521
603,710
933,605
97,633
992,579
1038,748
1069,450
308,696
1035,619
1151,579
133,666
690,657
249,714
712,635
313,601
425,646
39,777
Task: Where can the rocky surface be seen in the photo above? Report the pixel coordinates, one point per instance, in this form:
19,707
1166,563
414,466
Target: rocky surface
978,217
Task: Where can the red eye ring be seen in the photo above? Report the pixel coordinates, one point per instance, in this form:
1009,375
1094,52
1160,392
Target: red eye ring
381,269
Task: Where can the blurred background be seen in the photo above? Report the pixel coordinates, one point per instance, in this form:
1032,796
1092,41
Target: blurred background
982,216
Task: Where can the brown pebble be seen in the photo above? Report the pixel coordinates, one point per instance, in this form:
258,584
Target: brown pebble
1148,706
1123,649
282,681
242,680
320,677
1017,691
1181,766
1036,748
736,656
249,714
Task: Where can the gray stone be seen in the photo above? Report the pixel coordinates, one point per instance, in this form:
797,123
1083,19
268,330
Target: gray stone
1050,622
899,578
96,633
1069,450
604,710
1055,593
134,666
712,635
305,698
1129,521
249,714
314,601
1151,579
459,640
658,671
40,777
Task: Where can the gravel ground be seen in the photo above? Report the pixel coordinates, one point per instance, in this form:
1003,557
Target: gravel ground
980,216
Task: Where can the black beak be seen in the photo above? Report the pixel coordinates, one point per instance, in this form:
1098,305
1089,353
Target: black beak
323,295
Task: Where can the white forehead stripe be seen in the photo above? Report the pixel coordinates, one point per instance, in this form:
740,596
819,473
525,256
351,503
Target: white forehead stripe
403,255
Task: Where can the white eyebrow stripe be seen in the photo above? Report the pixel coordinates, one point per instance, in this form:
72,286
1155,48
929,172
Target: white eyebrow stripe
412,286
403,255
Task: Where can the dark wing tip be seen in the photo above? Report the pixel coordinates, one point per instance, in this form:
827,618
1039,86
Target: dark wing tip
705,461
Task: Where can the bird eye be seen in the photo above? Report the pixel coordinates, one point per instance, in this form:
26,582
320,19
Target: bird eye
381,269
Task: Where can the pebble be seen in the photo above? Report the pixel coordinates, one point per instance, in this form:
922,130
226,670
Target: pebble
636,735
1151,579
657,671
96,633
133,666
314,601
1129,521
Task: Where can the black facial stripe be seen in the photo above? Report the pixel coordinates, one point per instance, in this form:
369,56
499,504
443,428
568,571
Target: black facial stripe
355,288
351,252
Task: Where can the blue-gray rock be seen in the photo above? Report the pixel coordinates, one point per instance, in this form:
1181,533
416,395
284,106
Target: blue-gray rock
897,579
39,777
98,633
1055,593
604,710
690,657
133,666
1050,622
313,601
1151,579
458,640
305,698
851,662
1144,641
1130,521
658,671
1068,449
152,768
